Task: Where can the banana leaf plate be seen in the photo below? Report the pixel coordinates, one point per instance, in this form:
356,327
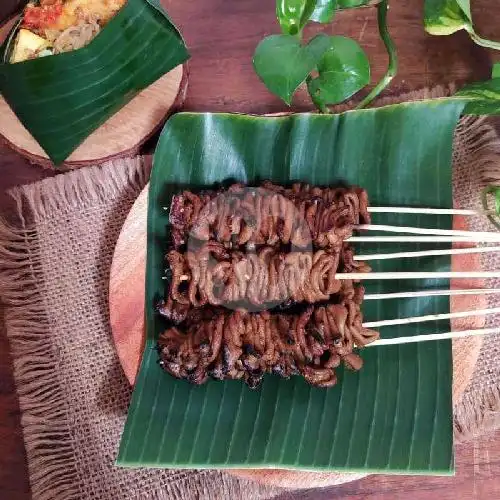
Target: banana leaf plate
395,415
62,99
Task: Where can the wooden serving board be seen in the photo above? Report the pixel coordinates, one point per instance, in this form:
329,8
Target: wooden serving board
126,304
122,135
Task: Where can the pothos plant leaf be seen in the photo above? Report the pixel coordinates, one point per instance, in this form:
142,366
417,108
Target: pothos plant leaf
495,71
444,17
294,14
324,11
343,70
465,6
282,63
338,77
484,97
351,4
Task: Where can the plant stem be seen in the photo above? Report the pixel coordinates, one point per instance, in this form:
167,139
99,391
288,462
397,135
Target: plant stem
371,3
495,190
392,68
489,44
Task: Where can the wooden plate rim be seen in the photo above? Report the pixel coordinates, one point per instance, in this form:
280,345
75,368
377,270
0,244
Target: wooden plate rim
280,477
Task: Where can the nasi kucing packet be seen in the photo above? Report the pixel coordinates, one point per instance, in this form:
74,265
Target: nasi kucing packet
69,65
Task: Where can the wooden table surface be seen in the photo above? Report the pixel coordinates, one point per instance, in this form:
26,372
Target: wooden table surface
222,35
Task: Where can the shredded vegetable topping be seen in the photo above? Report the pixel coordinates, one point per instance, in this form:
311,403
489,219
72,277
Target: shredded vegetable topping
55,26
77,37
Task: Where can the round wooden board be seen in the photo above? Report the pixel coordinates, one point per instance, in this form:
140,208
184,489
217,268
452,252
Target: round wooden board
126,304
122,135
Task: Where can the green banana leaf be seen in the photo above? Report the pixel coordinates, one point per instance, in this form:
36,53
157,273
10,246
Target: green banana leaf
395,415
62,99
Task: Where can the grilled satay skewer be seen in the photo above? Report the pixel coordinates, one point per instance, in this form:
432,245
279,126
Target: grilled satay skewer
212,275
301,215
222,344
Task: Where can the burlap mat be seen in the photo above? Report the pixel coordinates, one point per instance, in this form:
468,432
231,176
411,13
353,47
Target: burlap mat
476,157
73,396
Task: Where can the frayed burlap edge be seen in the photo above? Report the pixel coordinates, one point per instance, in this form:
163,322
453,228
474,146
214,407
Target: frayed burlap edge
476,415
82,189
483,144
47,430
477,412
47,434
413,95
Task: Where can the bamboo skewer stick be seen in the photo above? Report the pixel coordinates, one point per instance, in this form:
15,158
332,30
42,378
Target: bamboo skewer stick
423,210
422,239
417,275
420,230
404,276
428,293
434,336
408,275
431,317
426,253
411,295
428,235
430,211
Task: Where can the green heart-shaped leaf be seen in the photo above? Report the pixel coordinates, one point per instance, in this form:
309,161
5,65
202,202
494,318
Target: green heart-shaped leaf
465,6
444,17
294,14
343,70
324,11
282,63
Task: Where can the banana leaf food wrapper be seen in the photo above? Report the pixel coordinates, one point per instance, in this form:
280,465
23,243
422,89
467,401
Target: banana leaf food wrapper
69,65
395,414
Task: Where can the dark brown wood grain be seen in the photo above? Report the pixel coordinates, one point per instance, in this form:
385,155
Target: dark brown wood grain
222,36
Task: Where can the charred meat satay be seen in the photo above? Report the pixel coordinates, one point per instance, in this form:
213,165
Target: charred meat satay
220,344
301,215
211,275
